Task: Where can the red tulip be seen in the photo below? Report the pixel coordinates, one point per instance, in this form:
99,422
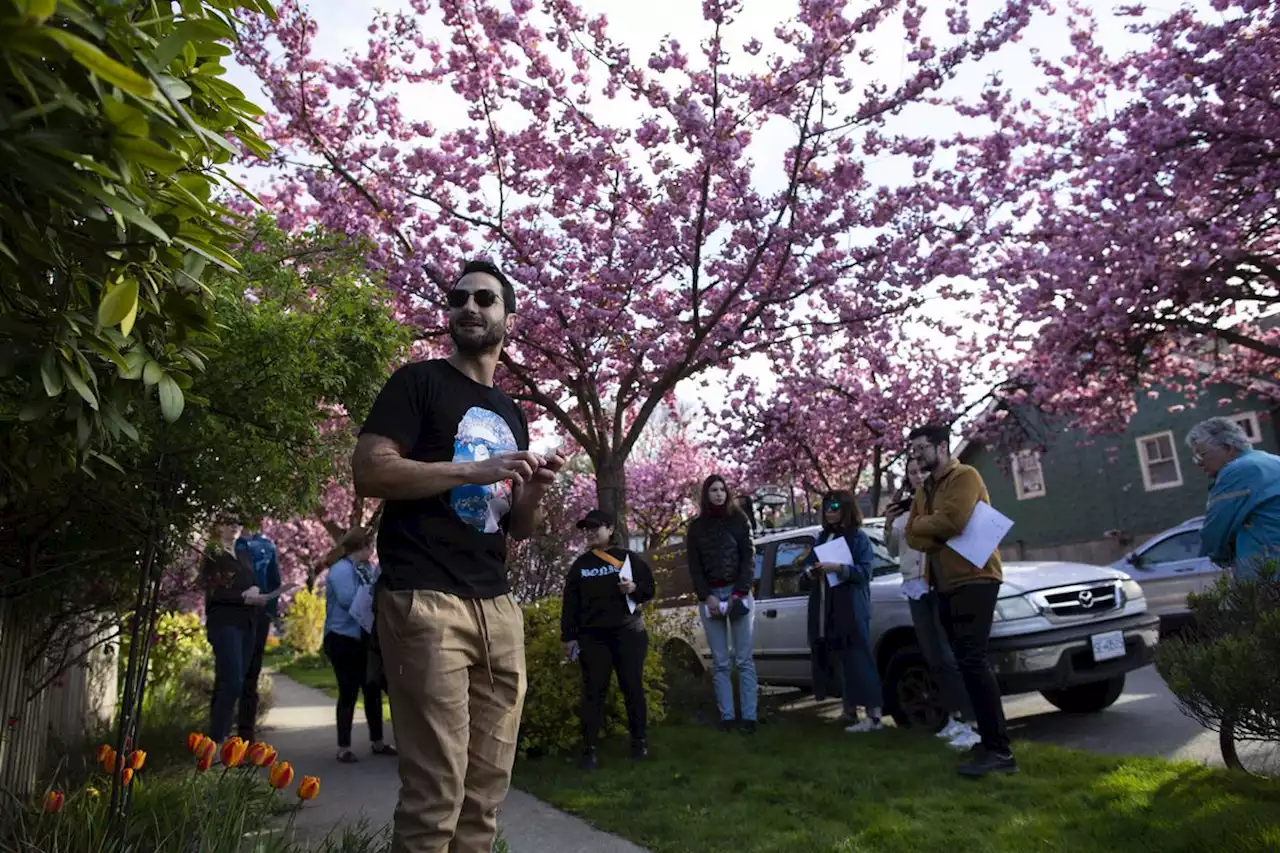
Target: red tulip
309,788
54,801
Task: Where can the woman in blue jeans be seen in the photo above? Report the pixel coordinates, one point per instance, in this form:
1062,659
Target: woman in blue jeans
840,614
722,566
232,607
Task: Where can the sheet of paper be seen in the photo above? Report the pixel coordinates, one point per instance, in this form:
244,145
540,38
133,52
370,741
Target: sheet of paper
724,608
982,535
362,607
625,574
835,551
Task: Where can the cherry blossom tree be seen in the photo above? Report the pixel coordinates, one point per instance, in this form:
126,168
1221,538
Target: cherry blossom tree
649,249
1141,239
842,422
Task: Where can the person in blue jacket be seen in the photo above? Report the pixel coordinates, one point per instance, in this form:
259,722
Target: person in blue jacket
346,644
1242,518
840,614
261,553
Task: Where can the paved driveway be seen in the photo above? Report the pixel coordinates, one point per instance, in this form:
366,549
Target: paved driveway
1145,720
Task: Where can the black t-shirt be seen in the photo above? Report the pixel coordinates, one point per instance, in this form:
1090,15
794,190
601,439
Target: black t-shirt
455,542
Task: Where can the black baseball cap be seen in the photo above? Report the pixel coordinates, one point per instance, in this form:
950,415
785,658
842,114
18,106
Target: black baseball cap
597,518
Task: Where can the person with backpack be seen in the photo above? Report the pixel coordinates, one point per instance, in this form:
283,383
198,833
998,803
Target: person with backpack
603,629
840,614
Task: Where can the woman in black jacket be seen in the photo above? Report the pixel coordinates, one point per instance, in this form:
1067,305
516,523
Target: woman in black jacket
602,627
722,566
232,606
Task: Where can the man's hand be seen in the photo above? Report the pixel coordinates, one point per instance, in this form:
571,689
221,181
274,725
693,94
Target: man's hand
627,587
545,475
518,467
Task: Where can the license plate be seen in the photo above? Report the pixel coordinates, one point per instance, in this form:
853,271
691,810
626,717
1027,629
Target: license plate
1108,646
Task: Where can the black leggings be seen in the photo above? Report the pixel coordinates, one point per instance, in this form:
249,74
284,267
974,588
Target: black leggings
602,651
350,660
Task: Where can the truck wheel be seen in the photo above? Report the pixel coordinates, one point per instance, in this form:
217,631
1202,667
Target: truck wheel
911,692
1087,698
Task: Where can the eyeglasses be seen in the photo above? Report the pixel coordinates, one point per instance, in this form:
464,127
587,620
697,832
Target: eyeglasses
831,507
484,298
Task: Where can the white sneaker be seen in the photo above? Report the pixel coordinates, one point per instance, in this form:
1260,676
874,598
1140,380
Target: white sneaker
951,729
967,739
867,725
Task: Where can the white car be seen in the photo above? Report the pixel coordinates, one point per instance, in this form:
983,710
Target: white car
1169,567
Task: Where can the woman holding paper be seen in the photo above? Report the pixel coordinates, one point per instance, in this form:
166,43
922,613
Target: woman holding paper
347,623
935,648
603,629
840,611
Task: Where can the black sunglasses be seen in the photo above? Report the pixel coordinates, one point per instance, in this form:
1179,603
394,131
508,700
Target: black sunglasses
484,298
832,505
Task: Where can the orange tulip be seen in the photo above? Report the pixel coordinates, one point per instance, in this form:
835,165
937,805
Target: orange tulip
137,759
281,775
233,751
126,776
193,742
104,751
109,761
206,749
309,788
257,754
204,763
270,758
54,801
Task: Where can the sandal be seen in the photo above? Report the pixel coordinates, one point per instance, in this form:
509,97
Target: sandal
385,749
346,756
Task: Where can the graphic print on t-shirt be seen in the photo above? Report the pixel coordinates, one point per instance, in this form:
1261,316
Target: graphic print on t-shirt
482,434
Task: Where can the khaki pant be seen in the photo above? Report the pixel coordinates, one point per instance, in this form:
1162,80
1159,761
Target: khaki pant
456,680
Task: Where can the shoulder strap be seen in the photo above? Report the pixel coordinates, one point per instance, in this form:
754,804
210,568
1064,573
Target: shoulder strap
607,557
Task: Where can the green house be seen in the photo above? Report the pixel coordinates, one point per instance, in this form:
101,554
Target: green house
1092,498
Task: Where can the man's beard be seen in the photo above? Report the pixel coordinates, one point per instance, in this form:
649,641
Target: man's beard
471,340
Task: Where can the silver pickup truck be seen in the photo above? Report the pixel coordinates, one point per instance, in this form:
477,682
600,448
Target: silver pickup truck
1068,630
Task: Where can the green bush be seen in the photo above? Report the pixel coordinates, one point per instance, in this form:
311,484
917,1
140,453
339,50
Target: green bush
1225,668
304,623
551,722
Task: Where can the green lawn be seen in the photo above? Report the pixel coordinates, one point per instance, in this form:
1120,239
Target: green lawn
803,785
315,671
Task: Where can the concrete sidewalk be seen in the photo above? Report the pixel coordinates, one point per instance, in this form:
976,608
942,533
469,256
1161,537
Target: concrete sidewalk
301,727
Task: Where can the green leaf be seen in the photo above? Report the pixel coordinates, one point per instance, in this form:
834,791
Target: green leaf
39,11
174,88
49,375
248,108
148,153
102,457
213,253
134,361
184,381
119,302
152,372
78,383
171,401
118,421
185,32
127,119
35,410
92,58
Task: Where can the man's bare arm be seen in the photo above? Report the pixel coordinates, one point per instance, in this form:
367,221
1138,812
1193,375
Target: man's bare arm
381,470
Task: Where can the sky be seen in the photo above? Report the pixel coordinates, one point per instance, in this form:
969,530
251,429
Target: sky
342,26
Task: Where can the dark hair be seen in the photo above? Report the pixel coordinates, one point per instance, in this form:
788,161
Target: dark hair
508,289
850,515
706,507
938,434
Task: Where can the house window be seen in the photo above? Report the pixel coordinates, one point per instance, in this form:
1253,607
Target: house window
1028,475
1248,422
1159,459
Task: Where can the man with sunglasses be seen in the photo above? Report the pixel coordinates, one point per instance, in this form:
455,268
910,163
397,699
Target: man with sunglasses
966,593
448,452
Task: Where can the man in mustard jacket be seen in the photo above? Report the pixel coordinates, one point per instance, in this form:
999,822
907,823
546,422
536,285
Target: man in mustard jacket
966,593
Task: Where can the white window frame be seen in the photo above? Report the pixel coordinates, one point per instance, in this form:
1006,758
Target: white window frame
1017,475
1142,461
1252,419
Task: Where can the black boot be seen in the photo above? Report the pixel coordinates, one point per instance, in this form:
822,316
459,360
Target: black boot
725,725
639,750
589,758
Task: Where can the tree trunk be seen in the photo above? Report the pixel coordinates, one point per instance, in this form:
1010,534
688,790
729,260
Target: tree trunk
876,474
611,491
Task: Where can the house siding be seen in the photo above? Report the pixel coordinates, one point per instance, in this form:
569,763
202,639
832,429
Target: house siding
1094,484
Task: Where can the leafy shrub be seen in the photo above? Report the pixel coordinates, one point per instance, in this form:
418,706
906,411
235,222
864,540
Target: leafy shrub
551,722
304,623
1225,668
